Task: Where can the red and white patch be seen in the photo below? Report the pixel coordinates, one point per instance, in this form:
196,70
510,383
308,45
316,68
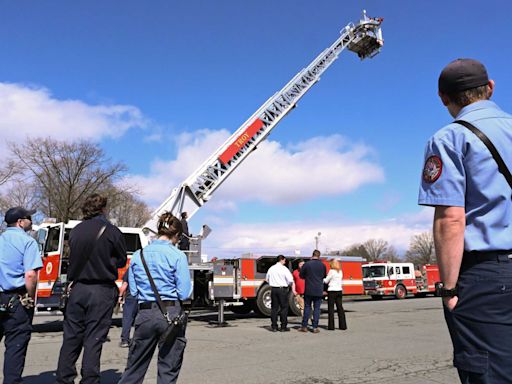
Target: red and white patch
432,170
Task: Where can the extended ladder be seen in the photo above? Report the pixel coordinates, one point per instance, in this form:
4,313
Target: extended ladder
365,39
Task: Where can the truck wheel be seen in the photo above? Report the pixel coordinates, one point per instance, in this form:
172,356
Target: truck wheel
241,309
263,301
293,305
400,292
376,297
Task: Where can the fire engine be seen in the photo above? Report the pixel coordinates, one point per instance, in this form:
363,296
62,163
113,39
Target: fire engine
244,279
399,279
225,281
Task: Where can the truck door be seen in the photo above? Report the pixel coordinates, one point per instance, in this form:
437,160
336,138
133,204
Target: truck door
52,253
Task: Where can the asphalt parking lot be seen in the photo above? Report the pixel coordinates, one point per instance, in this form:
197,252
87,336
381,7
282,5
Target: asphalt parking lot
388,341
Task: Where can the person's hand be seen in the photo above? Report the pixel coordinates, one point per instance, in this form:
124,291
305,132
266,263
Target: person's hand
294,293
120,299
450,302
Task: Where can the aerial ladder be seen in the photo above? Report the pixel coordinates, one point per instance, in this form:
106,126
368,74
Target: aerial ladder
364,38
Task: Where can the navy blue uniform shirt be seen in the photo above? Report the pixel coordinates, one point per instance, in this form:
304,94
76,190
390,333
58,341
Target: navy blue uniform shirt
108,255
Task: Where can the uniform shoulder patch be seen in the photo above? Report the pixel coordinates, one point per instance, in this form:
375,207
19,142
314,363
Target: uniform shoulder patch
432,169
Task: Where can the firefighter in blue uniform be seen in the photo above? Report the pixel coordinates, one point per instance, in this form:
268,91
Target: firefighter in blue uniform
169,269
97,250
473,224
19,261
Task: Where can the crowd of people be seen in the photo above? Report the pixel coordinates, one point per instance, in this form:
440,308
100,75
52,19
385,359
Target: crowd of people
309,283
465,177
97,250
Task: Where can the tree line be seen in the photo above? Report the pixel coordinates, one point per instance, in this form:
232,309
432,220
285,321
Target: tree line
421,250
55,177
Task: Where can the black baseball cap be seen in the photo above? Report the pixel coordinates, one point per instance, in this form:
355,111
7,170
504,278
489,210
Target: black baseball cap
462,74
14,214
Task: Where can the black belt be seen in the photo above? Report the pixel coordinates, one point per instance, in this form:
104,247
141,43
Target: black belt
475,257
280,287
19,291
154,304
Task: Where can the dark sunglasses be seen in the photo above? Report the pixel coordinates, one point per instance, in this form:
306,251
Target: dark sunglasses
27,218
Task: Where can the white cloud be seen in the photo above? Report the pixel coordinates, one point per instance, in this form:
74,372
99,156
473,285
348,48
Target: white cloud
34,111
321,166
286,237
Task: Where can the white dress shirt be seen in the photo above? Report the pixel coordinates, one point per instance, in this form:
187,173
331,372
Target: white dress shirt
335,280
279,276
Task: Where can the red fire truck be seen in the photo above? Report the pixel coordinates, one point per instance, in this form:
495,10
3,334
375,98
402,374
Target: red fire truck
399,279
226,281
242,281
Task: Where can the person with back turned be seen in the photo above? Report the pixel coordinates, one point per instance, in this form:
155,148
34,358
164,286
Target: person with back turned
280,280
19,262
473,222
97,250
168,268
313,272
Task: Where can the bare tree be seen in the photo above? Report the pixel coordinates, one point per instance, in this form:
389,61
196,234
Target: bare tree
354,250
63,173
421,250
126,209
9,171
376,249
392,255
20,194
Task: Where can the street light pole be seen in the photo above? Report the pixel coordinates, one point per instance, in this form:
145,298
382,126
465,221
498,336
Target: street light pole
317,239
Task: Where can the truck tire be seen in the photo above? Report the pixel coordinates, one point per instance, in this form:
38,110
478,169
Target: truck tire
376,297
263,301
400,292
241,309
294,308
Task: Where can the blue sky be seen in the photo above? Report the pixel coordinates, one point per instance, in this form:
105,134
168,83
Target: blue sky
161,84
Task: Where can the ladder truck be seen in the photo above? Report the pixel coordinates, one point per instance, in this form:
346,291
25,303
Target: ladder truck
240,281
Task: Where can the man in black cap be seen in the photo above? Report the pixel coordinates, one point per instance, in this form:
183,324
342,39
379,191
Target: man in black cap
20,260
473,222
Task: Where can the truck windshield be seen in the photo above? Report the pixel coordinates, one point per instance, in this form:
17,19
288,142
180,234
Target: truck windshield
374,271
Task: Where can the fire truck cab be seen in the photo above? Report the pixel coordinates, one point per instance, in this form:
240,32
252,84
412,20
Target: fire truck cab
399,279
53,238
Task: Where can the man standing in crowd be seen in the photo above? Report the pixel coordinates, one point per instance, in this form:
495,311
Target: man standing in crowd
280,279
472,223
313,272
129,310
20,260
184,243
299,286
97,250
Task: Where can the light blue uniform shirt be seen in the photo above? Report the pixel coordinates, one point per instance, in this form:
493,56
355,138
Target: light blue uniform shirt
460,171
19,253
168,267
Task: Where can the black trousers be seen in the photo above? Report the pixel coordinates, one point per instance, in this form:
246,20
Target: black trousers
130,309
480,325
16,327
149,326
279,305
86,323
336,297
